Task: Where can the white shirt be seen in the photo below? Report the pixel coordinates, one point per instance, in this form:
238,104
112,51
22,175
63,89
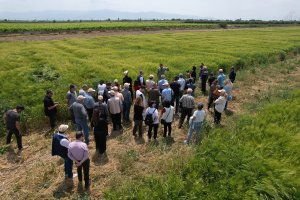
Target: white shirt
220,104
154,113
168,115
139,93
199,116
181,81
64,142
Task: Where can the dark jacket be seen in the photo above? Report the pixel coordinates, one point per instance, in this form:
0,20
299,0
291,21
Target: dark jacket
57,149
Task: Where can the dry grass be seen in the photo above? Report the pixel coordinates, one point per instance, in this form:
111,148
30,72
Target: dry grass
38,175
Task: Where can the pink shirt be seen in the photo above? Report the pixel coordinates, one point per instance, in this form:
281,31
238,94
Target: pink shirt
78,151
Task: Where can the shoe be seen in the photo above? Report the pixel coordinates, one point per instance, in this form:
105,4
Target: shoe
186,142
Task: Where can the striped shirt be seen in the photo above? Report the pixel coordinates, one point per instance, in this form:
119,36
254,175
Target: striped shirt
187,101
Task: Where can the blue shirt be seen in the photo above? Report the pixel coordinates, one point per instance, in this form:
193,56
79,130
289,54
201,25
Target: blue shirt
221,79
167,94
160,84
89,101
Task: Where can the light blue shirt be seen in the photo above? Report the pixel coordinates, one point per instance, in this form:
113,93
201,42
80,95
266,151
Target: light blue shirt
167,94
160,84
221,79
89,101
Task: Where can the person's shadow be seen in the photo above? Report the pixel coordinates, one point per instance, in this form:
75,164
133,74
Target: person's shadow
12,156
100,159
64,189
139,140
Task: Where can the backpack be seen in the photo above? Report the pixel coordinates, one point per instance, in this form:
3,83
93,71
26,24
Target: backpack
149,118
99,114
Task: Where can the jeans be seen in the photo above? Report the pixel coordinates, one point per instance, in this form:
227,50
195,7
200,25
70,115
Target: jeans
83,126
126,110
68,167
116,120
18,137
138,124
217,117
154,127
86,170
167,128
195,126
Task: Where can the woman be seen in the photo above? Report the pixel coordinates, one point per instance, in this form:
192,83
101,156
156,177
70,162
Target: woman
154,112
167,117
219,106
211,95
196,123
138,116
228,89
100,123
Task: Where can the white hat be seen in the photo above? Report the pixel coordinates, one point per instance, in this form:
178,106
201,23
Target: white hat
112,93
126,85
116,81
151,76
80,98
91,90
189,90
100,97
63,128
221,70
126,72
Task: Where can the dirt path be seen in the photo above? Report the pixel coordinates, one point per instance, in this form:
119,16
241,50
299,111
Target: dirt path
38,175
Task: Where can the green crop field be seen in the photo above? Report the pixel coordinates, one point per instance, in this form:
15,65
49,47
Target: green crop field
107,25
28,68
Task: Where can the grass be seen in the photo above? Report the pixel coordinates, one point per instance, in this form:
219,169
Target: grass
28,68
256,158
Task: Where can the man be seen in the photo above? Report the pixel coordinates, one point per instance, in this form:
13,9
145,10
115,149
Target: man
118,94
89,102
190,85
128,80
71,98
166,94
154,95
232,75
83,90
187,103
204,77
161,71
79,153
60,144
50,108
140,92
81,117
181,81
12,121
127,101
221,78
175,86
211,79
140,78
101,87
201,69
149,83
161,83
115,108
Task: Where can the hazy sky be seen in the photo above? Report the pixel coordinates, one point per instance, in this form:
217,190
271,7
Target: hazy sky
221,9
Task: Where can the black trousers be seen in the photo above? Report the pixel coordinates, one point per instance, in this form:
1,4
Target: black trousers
52,119
210,102
203,84
100,140
116,120
167,128
86,171
18,137
154,127
185,112
217,117
90,113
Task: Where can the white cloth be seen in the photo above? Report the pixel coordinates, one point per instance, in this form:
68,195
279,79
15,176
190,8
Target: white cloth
181,81
199,116
101,89
168,115
220,104
139,93
154,113
64,142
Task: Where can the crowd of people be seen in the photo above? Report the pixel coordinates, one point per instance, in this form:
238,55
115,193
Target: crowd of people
154,103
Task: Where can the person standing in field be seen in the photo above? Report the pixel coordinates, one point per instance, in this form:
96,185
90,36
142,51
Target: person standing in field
211,79
149,83
83,90
154,95
166,94
219,107
232,75
190,85
138,116
221,78
167,115
187,103
161,71
127,102
201,70
60,145
211,95
115,109
118,94
50,108
196,122
194,73
100,124
81,117
127,79
79,153
71,98
161,83
101,88
89,102
181,81
140,78
228,89
140,93
155,121
12,120
175,86
204,77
